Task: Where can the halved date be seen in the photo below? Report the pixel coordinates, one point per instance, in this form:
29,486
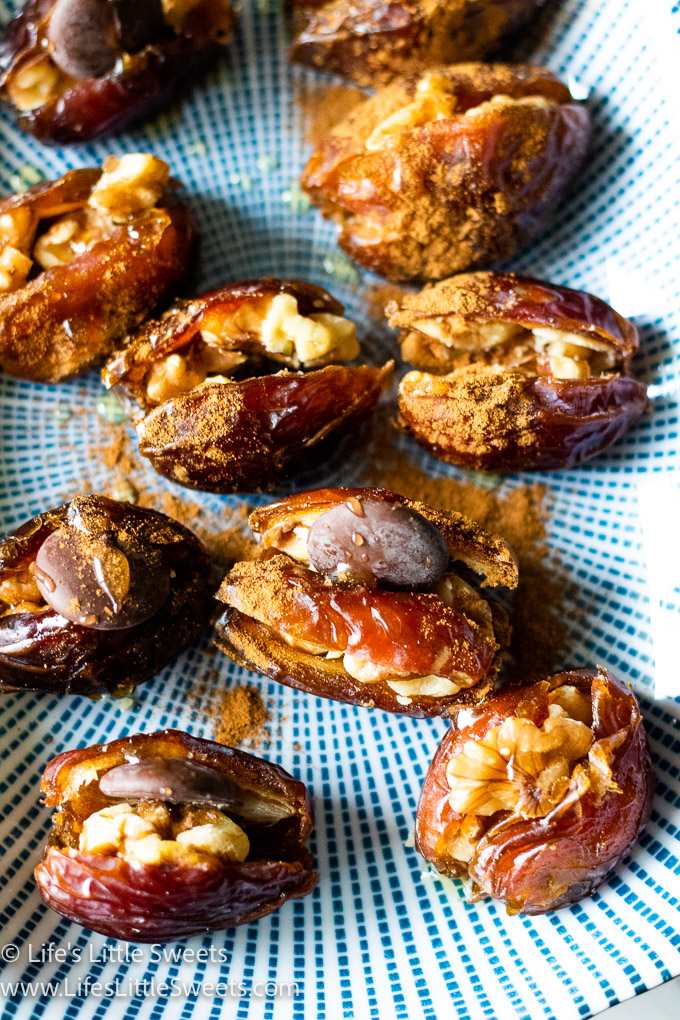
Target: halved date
454,168
371,42
359,628
83,260
97,596
540,792
163,835
77,69
519,373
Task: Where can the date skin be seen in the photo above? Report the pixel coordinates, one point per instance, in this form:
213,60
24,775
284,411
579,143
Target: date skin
479,550
370,43
53,655
551,422
69,317
404,209
539,864
245,436
138,86
163,902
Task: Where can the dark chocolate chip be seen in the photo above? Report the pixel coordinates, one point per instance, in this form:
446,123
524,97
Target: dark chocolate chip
83,37
180,781
386,542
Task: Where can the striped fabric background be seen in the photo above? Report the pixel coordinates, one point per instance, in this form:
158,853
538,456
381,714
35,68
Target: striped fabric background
381,936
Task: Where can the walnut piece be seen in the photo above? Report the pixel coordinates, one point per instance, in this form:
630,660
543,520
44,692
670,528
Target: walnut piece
434,100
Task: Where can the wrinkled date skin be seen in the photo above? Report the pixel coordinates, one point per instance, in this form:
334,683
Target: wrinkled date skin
371,43
419,195
240,434
137,84
70,316
42,650
547,421
279,610
161,902
533,860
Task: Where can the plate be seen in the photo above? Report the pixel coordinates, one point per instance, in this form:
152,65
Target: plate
381,936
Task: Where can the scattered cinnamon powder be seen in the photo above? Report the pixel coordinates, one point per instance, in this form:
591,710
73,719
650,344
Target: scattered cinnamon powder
242,716
519,515
324,105
379,296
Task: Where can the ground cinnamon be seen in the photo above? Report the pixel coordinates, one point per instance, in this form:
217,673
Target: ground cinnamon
242,716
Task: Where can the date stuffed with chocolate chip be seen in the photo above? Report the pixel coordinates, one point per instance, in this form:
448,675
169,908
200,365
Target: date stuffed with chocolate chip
539,793
371,42
358,596
163,835
515,373
208,412
83,260
97,596
448,170
77,69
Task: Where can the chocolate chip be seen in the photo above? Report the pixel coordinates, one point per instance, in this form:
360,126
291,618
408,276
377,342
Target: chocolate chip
180,781
386,542
88,36
100,581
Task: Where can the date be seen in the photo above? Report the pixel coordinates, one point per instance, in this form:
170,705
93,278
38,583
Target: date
371,43
539,793
349,635
163,835
83,260
516,373
206,421
97,596
452,169
77,69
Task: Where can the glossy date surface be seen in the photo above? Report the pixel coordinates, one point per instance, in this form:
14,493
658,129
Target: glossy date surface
67,317
72,75
540,792
183,893
457,168
40,649
357,635
552,392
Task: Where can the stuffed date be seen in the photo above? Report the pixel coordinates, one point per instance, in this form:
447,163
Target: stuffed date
540,792
163,835
83,260
371,42
448,170
97,596
77,69
515,373
205,420
363,596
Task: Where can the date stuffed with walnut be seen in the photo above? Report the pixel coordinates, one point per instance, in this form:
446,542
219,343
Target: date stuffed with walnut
83,260
163,835
359,596
208,412
516,373
540,792
76,69
449,170
97,596
371,42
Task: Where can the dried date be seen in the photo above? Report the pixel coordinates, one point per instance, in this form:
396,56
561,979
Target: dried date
163,835
515,373
347,634
452,169
540,792
83,260
97,596
204,420
77,69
